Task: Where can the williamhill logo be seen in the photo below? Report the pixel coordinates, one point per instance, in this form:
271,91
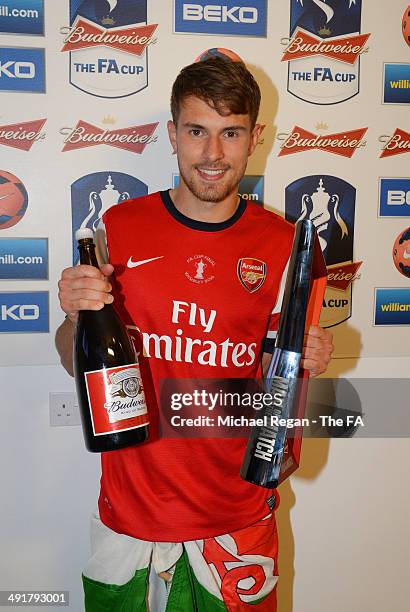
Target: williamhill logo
396,84
22,17
395,307
403,84
392,306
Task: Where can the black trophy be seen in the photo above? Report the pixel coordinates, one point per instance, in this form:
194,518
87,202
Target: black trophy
266,445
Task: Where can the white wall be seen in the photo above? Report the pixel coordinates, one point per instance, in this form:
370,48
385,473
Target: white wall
343,518
49,487
343,521
344,528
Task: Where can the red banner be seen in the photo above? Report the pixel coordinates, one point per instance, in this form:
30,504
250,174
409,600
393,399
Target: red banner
340,276
342,143
22,135
346,49
84,34
396,144
133,139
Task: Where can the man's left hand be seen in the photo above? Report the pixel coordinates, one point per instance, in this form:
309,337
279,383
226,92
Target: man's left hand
317,350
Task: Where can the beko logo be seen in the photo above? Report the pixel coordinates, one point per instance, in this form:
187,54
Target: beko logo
18,70
223,18
24,312
20,312
221,13
394,200
398,198
22,69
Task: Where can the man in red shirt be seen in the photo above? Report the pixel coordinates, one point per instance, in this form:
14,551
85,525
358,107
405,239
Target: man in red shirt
177,505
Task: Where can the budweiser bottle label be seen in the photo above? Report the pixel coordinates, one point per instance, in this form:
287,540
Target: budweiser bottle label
116,399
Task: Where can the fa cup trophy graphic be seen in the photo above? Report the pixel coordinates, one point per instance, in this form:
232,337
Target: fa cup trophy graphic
305,286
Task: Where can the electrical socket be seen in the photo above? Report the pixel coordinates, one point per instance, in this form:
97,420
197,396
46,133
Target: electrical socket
64,409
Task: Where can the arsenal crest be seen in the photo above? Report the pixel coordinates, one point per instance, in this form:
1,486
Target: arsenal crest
251,273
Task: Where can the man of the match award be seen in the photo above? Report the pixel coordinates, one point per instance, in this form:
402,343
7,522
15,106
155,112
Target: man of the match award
270,457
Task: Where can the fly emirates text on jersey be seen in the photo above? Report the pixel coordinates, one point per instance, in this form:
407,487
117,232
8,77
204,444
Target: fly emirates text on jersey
184,348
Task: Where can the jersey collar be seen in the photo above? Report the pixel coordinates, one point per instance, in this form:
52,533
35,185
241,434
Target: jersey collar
201,225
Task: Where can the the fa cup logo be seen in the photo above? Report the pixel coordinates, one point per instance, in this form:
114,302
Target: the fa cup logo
328,11
329,202
200,267
93,194
107,41
323,50
322,208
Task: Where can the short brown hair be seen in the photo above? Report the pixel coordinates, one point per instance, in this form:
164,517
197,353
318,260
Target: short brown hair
226,85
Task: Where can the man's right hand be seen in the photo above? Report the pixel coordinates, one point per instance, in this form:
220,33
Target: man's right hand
84,287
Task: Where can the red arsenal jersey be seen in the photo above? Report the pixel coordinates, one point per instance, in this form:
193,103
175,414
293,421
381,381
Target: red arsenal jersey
198,299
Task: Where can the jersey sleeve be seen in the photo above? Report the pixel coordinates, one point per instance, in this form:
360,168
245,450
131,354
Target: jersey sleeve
268,343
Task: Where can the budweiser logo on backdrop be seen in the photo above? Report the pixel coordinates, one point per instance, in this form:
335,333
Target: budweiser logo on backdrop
341,143
303,44
84,34
341,276
396,144
22,135
134,138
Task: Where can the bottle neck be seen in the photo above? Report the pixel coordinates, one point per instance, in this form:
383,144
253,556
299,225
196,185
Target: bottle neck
87,253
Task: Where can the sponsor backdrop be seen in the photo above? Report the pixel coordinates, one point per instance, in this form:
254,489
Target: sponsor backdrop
85,87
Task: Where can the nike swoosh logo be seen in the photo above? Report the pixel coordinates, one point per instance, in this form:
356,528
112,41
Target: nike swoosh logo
5,196
406,255
134,264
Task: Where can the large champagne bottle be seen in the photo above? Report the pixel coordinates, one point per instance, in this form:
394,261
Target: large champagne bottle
110,395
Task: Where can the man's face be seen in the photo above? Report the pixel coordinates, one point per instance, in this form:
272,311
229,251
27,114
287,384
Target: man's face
212,150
